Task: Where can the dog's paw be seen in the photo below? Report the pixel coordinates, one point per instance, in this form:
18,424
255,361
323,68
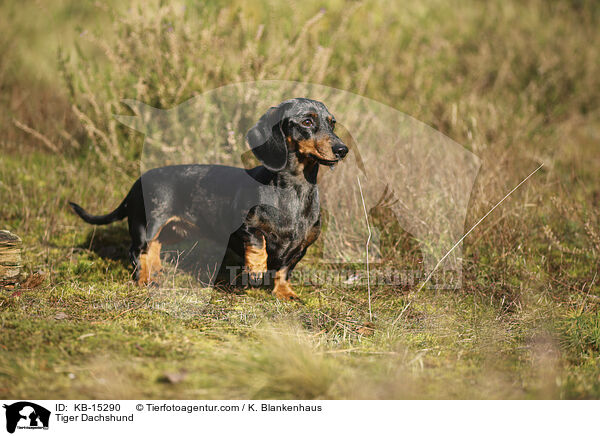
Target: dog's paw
256,278
283,291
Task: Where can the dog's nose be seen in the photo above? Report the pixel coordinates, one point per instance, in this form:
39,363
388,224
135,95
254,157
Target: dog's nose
340,150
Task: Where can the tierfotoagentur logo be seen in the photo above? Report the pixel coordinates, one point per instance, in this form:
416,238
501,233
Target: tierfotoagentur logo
25,415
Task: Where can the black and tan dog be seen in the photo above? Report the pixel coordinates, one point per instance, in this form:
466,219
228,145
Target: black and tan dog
268,215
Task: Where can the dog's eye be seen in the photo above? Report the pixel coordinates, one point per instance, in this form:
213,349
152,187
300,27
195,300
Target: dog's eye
308,122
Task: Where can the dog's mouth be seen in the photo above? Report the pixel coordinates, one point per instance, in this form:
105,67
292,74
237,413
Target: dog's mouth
327,162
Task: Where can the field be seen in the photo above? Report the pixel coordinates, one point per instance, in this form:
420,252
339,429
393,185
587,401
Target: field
516,82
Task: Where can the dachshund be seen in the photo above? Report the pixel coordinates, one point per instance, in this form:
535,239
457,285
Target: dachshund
268,216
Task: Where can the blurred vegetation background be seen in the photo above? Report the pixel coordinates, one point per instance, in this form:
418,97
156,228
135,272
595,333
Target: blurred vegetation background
516,82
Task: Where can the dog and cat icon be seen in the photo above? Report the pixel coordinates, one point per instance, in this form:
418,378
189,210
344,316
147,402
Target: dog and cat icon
26,415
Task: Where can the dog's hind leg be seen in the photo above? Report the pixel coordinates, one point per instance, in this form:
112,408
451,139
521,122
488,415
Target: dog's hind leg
149,263
137,231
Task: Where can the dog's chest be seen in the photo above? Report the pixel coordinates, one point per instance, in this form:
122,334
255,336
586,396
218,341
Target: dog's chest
296,222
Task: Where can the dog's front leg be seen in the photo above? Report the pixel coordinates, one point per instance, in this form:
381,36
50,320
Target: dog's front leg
283,288
255,258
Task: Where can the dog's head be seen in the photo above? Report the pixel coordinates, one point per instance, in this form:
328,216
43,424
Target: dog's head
298,131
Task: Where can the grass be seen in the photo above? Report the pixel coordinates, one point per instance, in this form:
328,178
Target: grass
514,82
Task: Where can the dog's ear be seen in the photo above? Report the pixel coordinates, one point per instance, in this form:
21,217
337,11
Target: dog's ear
266,139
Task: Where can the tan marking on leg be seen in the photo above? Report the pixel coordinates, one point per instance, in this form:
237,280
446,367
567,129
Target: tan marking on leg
256,259
283,288
150,263
174,230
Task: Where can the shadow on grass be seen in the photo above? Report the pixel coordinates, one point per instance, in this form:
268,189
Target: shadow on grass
109,242
113,242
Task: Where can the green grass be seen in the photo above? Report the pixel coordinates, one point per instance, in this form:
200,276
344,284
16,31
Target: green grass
515,82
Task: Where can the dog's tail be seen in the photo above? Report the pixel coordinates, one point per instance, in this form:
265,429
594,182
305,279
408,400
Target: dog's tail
118,214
